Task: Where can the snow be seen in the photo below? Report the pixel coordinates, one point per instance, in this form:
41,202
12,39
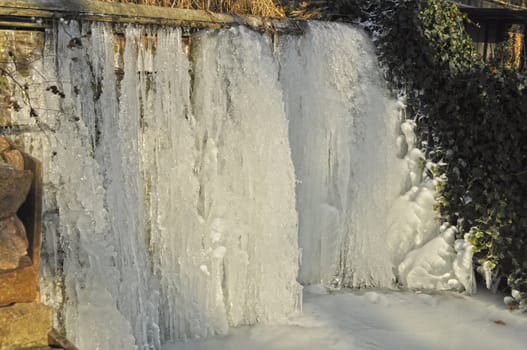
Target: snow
383,320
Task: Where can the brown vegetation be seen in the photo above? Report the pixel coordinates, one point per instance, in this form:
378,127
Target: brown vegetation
265,8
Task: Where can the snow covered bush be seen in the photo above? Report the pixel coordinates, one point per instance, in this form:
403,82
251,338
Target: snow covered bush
471,118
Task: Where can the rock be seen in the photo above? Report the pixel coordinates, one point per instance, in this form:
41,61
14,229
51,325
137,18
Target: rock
58,340
13,242
20,285
4,144
14,187
15,158
24,325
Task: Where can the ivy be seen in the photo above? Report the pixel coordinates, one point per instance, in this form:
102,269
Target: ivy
472,117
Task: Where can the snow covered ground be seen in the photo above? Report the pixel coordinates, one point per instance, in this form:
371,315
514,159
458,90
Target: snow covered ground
384,320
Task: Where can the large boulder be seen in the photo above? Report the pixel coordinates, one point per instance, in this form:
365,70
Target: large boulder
13,242
14,158
14,187
4,144
10,154
24,325
19,285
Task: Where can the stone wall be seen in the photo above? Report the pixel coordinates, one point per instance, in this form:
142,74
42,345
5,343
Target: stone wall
24,321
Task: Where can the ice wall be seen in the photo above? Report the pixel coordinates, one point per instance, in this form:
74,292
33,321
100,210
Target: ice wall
170,204
94,208
342,132
170,183
226,238
364,196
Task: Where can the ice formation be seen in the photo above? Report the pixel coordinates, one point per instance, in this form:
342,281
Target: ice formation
430,267
222,183
341,125
170,205
364,198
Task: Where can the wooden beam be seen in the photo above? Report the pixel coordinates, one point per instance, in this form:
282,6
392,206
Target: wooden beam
16,25
140,14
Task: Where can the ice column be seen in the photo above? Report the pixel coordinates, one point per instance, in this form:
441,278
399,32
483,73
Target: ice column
226,242
342,124
94,221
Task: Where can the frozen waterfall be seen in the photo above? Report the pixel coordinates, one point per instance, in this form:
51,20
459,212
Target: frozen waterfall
342,133
190,182
362,200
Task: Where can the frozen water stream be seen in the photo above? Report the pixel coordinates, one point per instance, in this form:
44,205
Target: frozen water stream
181,191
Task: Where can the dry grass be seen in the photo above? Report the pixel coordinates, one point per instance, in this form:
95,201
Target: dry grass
265,8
